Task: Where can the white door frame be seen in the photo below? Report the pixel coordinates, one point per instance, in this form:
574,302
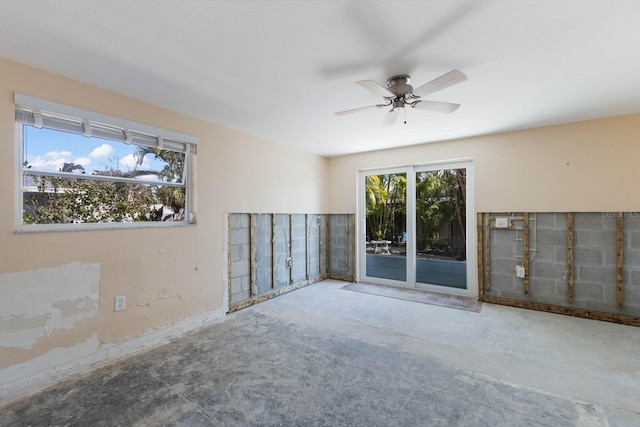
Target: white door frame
410,171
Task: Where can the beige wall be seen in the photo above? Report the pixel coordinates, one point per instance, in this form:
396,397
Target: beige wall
587,166
167,274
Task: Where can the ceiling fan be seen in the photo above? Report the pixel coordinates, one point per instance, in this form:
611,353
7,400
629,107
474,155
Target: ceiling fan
400,94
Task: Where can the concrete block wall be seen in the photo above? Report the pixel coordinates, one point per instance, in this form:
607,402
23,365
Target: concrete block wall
239,254
342,243
594,261
276,238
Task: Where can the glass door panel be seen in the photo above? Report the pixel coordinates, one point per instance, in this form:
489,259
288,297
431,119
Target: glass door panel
386,226
440,231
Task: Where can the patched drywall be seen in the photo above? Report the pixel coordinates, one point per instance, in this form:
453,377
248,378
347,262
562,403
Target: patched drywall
36,303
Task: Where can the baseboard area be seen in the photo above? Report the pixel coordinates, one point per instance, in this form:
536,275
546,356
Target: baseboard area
29,377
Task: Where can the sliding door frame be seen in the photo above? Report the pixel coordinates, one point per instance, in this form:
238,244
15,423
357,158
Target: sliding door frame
410,171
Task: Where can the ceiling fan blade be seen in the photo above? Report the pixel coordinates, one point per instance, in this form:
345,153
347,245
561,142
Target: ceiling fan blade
444,81
391,117
375,88
441,107
357,110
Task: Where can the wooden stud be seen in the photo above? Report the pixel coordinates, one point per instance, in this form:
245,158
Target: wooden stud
328,218
480,258
291,248
619,259
353,246
273,251
229,255
487,254
346,242
570,271
252,256
558,309
307,233
525,252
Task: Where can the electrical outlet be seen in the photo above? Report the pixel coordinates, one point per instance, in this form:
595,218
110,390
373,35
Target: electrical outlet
289,262
502,222
520,271
120,303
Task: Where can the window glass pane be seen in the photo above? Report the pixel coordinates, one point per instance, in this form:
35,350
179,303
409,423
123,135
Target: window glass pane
51,150
54,200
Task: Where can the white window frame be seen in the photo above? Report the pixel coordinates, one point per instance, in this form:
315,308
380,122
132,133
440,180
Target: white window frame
155,137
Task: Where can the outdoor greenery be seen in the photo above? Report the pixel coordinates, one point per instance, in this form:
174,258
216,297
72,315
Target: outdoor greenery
440,198
61,200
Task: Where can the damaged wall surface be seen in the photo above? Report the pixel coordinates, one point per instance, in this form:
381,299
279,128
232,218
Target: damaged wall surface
584,263
274,253
57,288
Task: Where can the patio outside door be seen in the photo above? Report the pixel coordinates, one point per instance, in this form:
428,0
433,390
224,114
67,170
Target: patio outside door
413,227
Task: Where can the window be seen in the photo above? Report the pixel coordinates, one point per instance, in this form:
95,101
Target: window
81,169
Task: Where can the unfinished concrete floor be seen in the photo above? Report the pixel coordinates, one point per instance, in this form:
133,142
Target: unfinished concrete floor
326,356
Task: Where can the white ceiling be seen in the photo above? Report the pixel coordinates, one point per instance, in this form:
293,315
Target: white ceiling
280,69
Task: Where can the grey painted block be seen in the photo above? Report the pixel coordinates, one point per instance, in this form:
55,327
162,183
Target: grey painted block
504,237
595,238
239,236
239,252
583,291
240,268
588,256
588,221
503,282
634,239
540,287
635,278
504,267
604,275
502,251
548,270
551,237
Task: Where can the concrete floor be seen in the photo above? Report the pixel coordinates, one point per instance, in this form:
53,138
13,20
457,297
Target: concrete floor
326,356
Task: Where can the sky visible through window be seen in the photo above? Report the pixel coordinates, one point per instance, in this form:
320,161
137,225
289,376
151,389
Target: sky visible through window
49,150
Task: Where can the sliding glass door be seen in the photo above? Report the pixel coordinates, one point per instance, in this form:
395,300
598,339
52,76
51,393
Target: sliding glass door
414,224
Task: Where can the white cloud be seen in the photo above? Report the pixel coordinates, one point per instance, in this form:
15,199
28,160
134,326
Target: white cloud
130,162
84,161
102,151
50,160
57,154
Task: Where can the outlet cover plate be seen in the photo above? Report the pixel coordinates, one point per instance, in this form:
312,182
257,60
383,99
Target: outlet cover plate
120,303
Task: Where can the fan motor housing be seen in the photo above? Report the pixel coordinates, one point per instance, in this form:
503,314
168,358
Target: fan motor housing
399,85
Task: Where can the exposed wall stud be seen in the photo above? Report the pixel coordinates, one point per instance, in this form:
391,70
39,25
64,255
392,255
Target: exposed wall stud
273,251
570,271
329,245
229,255
619,259
346,243
480,260
291,248
252,256
307,234
525,252
487,254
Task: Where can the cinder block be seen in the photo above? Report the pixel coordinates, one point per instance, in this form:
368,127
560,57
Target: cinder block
632,220
236,285
601,306
584,291
634,239
545,221
550,238
238,220
589,220
513,294
503,251
239,252
239,236
610,257
539,287
503,267
544,253
631,297
504,237
503,282
547,270
635,278
588,256
595,238
552,299
240,268
630,258
604,275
